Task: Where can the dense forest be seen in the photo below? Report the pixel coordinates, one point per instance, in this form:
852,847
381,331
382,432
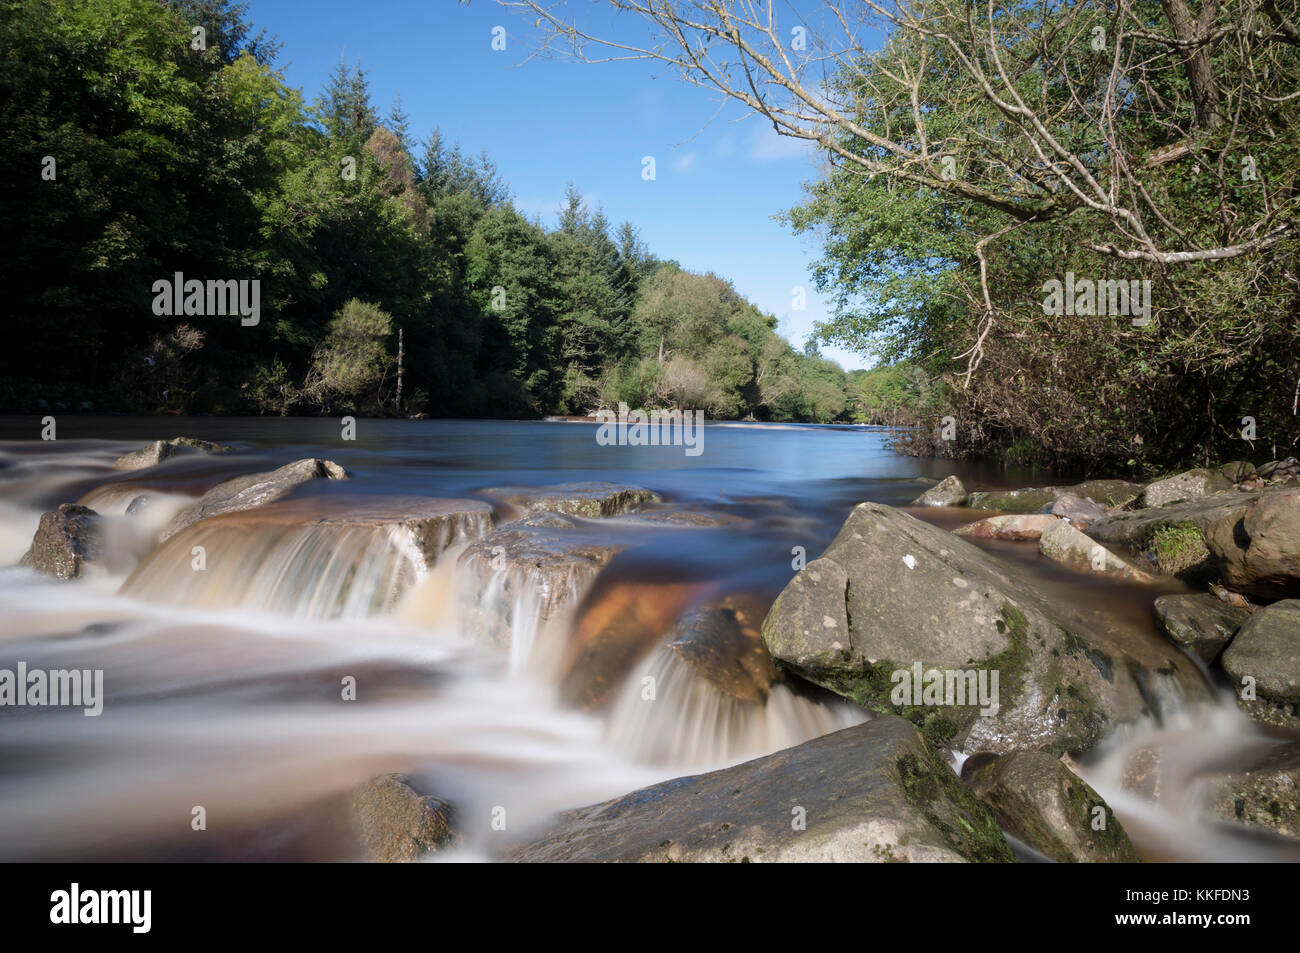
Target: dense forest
396,277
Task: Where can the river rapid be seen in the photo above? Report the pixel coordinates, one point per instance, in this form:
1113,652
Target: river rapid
222,690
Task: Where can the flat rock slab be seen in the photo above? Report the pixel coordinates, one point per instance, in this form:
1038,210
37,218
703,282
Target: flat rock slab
1038,800
1199,623
871,793
1189,485
254,489
1027,500
591,500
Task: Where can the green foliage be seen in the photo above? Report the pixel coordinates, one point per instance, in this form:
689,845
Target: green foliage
171,159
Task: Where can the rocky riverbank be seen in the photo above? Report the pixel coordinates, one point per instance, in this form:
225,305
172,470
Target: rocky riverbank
981,691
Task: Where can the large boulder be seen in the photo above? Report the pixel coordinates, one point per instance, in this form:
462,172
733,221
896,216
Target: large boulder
1266,651
1066,545
66,541
893,595
399,825
871,793
950,492
1257,549
1038,800
591,500
1013,526
1199,623
255,489
1188,485
154,453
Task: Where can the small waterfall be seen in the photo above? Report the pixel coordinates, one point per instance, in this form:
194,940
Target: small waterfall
690,723
349,566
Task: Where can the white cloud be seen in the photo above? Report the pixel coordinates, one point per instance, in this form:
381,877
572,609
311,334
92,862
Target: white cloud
686,162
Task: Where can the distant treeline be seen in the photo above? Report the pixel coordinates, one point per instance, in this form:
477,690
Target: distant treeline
395,277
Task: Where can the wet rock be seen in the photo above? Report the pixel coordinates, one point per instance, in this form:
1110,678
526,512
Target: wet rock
137,504
66,540
1012,526
1264,795
892,592
1038,800
399,825
1143,774
590,500
1066,545
1256,549
875,792
160,450
1111,494
1189,485
538,565
1080,511
950,492
1199,623
1280,471
322,557
255,489
1028,500
723,644
1237,470
1267,650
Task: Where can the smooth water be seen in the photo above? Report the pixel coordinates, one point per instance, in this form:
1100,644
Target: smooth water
223,688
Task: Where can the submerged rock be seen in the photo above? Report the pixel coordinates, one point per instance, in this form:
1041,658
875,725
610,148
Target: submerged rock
1066,545
255,489
892,593
398,824
1189,485
950,492
1199,623
160,450
1266,651
591,500
1038,800
875,792
1013,526
66,540
1256,549
722,642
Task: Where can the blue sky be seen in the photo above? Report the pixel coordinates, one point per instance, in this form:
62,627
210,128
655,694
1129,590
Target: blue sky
720,177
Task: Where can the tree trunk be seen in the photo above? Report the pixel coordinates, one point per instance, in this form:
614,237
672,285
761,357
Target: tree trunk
1200,72
401,355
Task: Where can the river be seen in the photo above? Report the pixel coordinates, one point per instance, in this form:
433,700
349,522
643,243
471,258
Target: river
222,689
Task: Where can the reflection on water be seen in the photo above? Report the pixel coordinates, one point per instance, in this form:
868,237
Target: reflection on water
225,687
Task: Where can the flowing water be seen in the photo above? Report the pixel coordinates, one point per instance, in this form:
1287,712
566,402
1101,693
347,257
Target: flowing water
224,688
